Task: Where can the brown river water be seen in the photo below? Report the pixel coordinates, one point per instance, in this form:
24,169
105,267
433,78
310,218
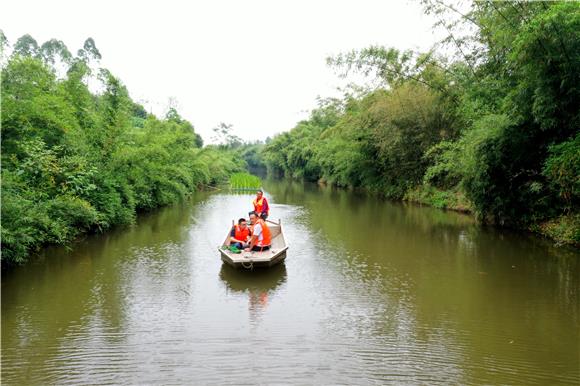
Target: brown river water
372,292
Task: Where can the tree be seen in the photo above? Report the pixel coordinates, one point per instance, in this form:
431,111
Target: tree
74,161
53,50
224,137
3,46
26,45
523,58
89,52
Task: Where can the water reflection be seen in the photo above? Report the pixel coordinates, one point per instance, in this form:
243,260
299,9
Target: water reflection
499,298
262,280
260,285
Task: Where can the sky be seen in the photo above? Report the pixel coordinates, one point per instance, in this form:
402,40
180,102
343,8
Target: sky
257,65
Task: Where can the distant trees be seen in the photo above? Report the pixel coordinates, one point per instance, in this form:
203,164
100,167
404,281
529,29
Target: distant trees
224,137
76,161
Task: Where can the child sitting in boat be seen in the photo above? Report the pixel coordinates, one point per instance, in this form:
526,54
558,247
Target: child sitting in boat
240,235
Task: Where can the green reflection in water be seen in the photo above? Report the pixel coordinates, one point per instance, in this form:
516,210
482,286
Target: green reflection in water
65,291
371,291
507,303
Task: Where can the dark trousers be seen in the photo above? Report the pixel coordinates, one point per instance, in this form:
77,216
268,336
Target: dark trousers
260,249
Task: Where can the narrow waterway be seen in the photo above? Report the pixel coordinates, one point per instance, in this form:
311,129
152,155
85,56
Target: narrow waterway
371,292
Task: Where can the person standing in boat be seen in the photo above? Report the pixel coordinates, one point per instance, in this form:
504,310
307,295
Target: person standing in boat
261,239
261,206
240,234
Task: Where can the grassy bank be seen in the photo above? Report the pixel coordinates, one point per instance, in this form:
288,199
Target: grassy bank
564,229
442,199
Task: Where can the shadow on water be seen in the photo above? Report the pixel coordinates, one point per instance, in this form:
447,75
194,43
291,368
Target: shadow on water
259,280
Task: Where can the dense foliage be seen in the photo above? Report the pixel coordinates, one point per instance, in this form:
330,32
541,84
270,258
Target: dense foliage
491,125
76,160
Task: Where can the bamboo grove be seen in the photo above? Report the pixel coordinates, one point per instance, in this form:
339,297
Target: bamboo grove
486,122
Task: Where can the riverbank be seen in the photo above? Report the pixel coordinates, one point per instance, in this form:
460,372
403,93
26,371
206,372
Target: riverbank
51,222
442,199
431,120
563,230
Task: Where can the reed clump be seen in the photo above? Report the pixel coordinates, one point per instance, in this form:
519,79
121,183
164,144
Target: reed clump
244,181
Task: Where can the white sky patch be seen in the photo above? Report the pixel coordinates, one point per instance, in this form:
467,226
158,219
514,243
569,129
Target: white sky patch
258,65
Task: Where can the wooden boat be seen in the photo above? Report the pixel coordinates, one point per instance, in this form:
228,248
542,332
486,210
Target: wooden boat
250,260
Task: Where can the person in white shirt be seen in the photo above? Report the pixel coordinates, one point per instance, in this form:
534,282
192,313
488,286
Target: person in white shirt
261,237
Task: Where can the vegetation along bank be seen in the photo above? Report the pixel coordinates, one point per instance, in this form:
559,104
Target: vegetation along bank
79,155
490,126
486,122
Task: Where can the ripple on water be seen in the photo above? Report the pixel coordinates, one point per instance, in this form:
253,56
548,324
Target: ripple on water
161,309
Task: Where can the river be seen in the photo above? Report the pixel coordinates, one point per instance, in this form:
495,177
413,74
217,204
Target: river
372,292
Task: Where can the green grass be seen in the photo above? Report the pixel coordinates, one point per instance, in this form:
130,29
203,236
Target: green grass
245,181
564,229
442,199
